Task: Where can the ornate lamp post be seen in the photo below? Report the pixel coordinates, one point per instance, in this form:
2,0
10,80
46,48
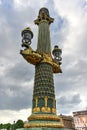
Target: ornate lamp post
43,101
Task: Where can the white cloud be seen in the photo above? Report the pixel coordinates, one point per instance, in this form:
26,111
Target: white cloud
76,15
74,49
11,116
21,4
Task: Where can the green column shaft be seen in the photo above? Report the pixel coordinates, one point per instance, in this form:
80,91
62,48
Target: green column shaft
44,45
43,94
44,87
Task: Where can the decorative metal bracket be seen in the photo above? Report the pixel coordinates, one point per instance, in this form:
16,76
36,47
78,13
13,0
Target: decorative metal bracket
35,58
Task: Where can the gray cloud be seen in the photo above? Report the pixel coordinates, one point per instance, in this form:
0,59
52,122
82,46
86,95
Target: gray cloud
71,82
66,104
15,72
15,98
69,100
20,72
73,75
14,94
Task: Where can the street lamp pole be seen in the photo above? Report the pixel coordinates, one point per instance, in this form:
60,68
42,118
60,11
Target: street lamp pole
43,101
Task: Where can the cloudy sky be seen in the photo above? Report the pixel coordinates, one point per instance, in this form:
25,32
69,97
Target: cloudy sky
69,31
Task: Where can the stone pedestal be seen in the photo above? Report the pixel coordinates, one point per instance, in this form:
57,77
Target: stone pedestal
44,128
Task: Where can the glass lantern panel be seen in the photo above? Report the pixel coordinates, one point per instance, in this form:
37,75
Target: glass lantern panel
27,35
57,53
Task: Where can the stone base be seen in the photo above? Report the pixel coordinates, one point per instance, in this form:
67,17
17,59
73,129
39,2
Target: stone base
44,128
44,121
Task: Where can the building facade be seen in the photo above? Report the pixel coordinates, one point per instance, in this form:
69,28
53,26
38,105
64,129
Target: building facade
80,120
68,122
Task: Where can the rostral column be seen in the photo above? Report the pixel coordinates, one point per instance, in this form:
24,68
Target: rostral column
43,101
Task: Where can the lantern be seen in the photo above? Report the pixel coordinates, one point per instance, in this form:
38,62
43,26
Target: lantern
57,53
27,35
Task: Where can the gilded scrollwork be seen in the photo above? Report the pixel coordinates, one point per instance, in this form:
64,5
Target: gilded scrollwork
44,117
54,110
49,125
36,109
31,56
34,58
46,109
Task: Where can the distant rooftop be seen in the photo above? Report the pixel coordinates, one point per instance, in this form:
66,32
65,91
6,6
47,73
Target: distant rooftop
84,112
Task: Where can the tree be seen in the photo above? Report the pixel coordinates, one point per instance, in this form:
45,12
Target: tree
1,126
8,126
19,124
5,126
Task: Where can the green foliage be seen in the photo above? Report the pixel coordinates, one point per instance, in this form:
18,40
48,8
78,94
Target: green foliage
19,124
14,126
5,126
8,126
